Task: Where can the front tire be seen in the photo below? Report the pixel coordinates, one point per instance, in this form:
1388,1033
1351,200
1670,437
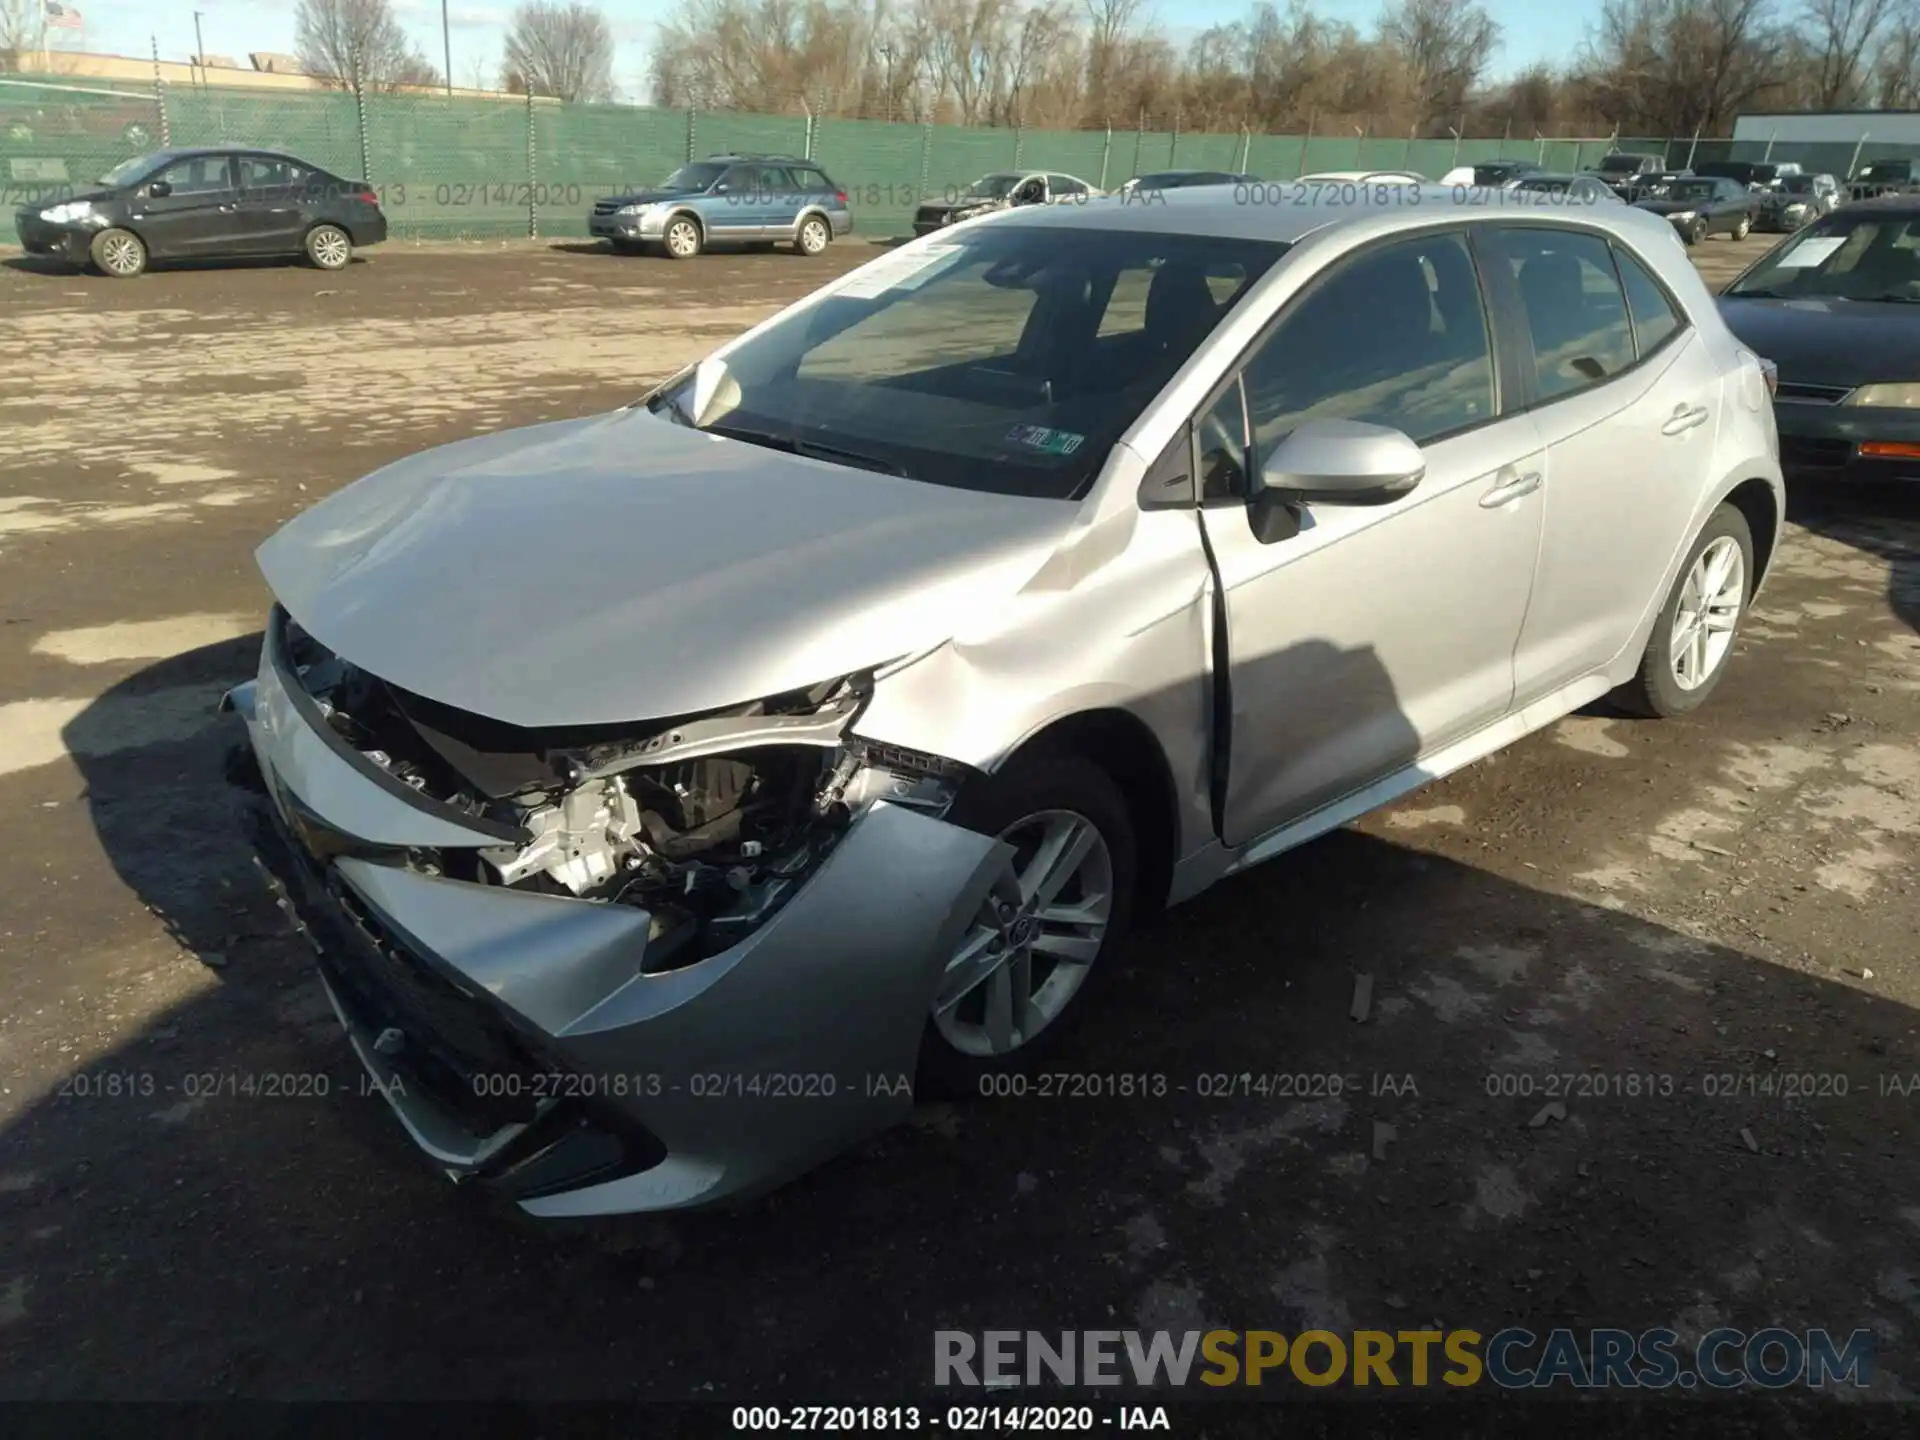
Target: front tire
1743,229
120,254
1696,232
1687,653
814,236
1053,926
682,238
329,247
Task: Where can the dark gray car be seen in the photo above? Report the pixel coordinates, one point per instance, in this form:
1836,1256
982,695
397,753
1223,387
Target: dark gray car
206,204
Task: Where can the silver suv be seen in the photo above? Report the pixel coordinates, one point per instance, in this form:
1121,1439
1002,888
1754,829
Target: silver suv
812,734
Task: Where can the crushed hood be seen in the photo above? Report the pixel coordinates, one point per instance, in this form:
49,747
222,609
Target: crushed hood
626,568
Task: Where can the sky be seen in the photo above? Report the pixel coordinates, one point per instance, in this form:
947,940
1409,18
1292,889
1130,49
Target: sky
1532,30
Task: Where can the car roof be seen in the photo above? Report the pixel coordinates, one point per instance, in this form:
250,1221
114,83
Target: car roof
1287,214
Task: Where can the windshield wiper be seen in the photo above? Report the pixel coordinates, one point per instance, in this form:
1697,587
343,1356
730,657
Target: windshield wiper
1755,295
810,449
1888,299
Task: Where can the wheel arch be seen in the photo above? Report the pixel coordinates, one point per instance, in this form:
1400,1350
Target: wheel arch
814,212
1755,500
685,212
1123,745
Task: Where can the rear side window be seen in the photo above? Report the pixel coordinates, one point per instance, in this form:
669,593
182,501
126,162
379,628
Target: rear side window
1576,313
1654,319
1395,336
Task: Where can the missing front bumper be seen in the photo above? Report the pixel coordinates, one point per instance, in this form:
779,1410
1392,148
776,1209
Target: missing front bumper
526,1030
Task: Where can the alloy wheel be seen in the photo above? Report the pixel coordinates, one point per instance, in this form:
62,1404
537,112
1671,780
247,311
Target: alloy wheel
682,238
1035,939
813,237
1708,613
120,255
331,248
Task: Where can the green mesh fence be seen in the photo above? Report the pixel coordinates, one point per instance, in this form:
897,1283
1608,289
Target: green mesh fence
465,168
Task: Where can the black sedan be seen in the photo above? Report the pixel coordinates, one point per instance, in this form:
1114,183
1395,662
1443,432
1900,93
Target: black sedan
1837,310
204,205
1700,207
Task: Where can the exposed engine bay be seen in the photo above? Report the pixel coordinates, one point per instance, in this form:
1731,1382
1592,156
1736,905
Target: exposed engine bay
710,823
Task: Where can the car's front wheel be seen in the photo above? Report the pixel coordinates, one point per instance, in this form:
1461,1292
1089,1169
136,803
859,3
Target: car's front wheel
1697,232
1053,924
119,253
1687,653
814,236
1744,228
682,238
329,247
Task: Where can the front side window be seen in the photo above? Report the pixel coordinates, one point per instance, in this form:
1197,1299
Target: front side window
1396,336
696,176
1575,311
263,172
992,187
1007,361
1220,448
201,175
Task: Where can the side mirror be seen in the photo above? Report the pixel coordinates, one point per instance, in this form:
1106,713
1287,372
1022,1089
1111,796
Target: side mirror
159,190
1341,462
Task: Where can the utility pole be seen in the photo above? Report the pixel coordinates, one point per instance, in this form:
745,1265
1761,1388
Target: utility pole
886,55
446,45
199,49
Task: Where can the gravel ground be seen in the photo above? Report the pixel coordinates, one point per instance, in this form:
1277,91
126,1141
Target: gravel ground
1727,901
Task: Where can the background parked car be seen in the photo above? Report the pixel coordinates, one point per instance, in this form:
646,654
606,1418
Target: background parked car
1706,205
1184,180
1581,189
1491,174
1621,171
728,200
207,204
1653,185
1363,177
1753,174
1884,177
1837,310
1797,200
1002,190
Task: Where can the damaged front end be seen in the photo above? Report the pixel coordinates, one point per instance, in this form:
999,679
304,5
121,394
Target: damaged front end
613,971
709,824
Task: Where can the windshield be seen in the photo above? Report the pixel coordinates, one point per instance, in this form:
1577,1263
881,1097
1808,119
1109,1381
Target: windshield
1008,361
1887,170
1694,192
993,187
128,171
697,176
1844,257
1797,184
1552,184
1620,164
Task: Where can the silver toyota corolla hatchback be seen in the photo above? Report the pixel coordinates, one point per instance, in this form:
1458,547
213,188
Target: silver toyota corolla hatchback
673,794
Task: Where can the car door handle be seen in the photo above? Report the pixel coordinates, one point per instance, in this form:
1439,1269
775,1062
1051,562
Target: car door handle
1684,418
1508,491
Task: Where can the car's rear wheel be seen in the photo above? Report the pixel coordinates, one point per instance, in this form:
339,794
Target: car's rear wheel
329,247
1743,229
814,236
1053,924
119,253
682,238
1687,653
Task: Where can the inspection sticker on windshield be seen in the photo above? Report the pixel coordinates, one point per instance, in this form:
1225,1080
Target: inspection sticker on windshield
1810,252
903,270
1050,442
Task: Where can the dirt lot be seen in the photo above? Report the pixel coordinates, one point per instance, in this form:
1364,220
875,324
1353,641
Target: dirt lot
1728,901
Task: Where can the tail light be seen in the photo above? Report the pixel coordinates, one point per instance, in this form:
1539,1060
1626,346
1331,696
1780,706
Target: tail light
366,196
841,196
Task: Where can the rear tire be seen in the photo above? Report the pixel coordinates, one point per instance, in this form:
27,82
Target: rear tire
813,237
329,247
1074,795
1702,609
1696,232
117,253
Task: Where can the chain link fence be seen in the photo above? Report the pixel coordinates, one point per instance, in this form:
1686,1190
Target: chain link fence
456,167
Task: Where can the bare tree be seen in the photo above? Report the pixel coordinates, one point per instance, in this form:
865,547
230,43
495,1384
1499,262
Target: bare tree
23,33
348,40
1445,44
1840,34
1669,65
1897,71
1110,25
562,48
